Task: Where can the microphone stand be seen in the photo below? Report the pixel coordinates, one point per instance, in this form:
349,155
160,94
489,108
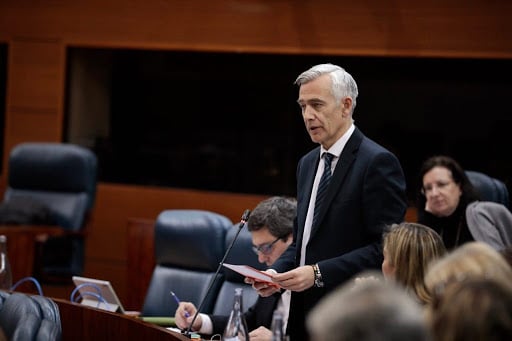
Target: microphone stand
245,217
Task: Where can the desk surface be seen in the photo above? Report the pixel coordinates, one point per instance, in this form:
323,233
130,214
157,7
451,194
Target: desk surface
81,322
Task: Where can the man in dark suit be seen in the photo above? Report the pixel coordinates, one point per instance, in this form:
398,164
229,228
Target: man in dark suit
271,225
364,191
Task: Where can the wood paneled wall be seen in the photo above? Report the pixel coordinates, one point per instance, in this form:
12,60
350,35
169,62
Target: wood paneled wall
38,33
106,246
476,28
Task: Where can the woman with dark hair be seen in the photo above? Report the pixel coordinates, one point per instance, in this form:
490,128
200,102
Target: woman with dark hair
449,204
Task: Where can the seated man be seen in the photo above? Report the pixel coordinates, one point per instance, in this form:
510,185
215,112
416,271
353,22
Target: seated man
270,224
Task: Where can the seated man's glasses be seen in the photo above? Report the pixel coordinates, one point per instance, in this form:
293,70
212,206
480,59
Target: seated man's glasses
265,248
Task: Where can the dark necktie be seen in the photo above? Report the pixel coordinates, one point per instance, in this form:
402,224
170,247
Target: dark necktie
322,186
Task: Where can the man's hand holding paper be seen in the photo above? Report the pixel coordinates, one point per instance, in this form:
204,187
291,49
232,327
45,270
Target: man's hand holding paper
253,275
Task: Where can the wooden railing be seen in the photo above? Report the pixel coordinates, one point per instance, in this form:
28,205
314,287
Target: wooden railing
80,322
22,241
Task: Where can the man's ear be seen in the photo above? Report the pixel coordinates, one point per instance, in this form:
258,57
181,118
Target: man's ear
346,106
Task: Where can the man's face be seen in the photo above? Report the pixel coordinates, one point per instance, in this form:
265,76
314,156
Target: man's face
269,249
325,118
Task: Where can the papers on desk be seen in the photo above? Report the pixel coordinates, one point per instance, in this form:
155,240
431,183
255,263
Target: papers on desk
248,271
193,336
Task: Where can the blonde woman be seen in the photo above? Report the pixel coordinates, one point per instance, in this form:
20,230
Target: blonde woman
474,309
472,295
473,259
408,250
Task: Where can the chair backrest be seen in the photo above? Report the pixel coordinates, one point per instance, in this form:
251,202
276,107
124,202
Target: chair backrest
62,176
189,245
489,188
242,254
26,317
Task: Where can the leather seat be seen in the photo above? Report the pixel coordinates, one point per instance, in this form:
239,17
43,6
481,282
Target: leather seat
62,177
241,254
189,245
25,318
489,188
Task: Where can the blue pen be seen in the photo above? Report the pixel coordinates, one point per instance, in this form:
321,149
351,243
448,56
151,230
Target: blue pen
178,301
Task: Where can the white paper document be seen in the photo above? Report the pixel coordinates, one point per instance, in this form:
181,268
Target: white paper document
251,272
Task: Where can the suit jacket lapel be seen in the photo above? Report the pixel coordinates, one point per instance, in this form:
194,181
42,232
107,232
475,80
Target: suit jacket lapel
347,157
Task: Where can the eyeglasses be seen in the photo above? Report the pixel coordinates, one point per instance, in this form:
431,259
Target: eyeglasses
440,185
265,248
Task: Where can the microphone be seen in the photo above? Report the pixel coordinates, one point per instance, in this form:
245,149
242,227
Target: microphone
245,217
243,221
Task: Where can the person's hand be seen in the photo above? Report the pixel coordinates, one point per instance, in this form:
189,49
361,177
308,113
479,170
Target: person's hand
298,279
263,289
181,319
260,334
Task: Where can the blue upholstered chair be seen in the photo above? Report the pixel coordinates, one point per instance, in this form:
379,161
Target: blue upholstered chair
189,245
242,254
489,188
62,177
29,317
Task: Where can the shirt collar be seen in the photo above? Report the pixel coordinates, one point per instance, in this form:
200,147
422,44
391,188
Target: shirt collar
338,146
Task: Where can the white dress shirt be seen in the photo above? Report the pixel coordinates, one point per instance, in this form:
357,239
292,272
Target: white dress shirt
335,150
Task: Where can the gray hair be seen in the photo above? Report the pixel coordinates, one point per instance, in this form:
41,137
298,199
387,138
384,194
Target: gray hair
343,85
276,214
368,311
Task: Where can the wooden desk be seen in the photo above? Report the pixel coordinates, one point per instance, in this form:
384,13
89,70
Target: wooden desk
140,253
81,322
21,245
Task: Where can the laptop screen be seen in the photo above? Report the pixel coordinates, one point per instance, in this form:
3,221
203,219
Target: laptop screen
96,293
